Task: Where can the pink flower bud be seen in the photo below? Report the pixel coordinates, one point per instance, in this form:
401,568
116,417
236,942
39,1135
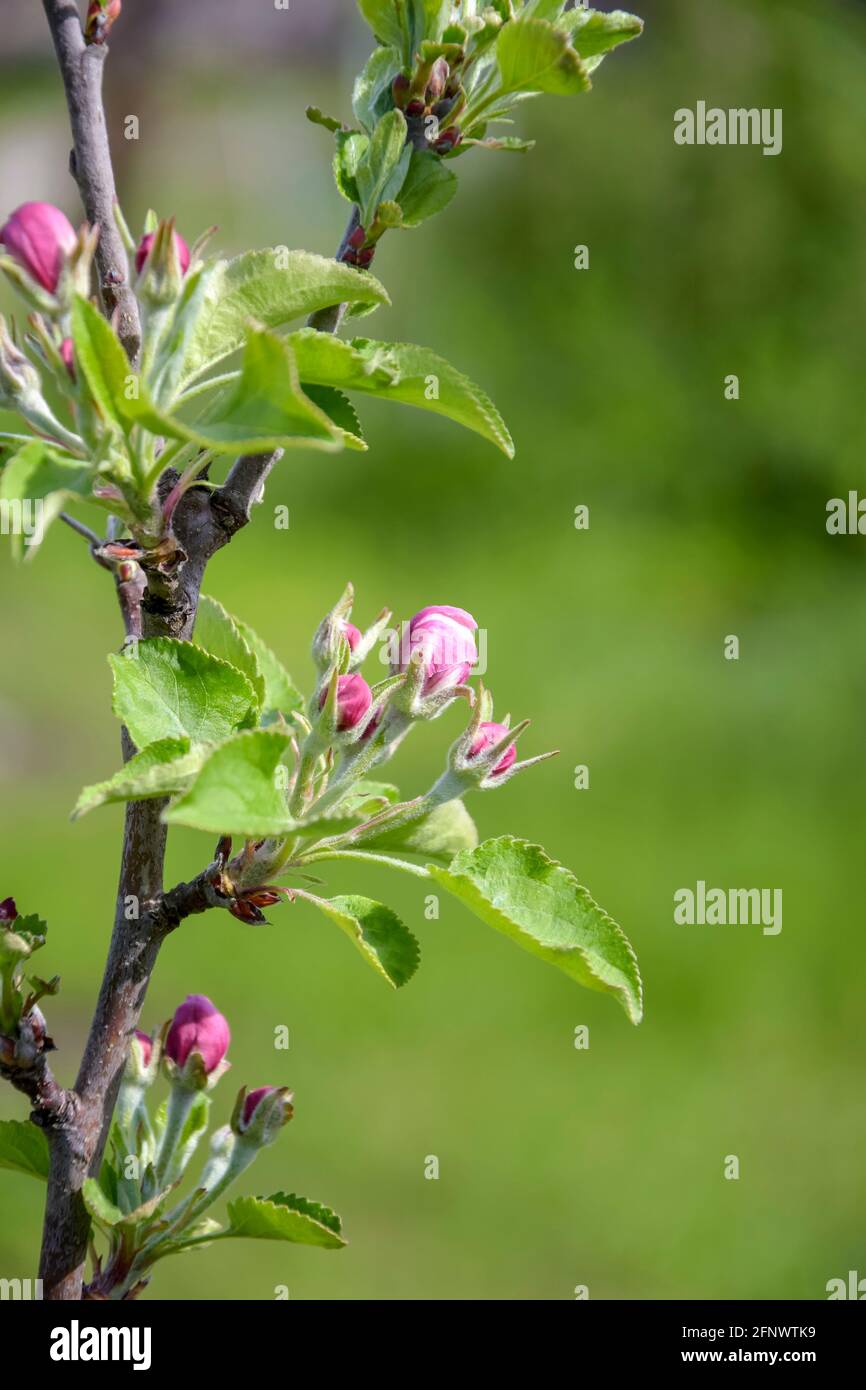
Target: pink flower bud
351,633
354,698
68,355
180,247
39,237
444,635
252,1100
146,1046
487,735
198,1026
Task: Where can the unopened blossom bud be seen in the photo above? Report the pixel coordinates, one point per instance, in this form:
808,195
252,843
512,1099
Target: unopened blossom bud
438,79
101,14
448,140
146,243
400,89
198,1027
145,1042
354,698
487,735
18,376
416,107
67,353
8,910
39,237
260,1115
443,634
252,1100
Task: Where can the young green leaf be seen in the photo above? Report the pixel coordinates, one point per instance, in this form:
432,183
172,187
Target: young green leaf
383,940
269,287
351,148
163,768
217,632
281,695
423,379
317,117
534,56
266,410
381,172
340,412
23,1148
387,20
441,834
238,791
371,96
39,481
513,886
164,688
428,187
103,362
595,32
285,1217
103,1211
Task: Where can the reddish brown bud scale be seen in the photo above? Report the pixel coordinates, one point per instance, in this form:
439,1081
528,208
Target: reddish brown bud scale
357,239
416,107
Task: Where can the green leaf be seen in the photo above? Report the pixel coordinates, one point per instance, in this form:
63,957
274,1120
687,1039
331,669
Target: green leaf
423,379
163,768
317,117
266,410
281,695
513,886
366,798
326,360
271,287
285,1217
100,1207
236,790
511,143
164,688
37,482
441,834
23,1148
102,361
428,187
340,412
371,96
534,56
594,32
381,172
385,18
352,146
383,940
217,632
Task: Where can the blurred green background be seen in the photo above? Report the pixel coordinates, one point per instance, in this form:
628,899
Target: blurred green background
558,1167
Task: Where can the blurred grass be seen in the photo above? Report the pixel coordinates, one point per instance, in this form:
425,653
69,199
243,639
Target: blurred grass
558,1167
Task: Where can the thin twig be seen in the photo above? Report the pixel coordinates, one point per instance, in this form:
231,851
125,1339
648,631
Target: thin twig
80,527
81,67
